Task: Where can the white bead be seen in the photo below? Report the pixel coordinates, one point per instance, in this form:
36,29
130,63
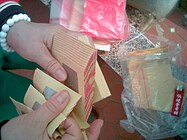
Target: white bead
20,16
11,50
25,17
15,18
2,40
29,19
3,34
3,44
5,47
10,22
8,49
5,28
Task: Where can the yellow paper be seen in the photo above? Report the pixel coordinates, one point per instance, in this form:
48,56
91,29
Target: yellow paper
152,83
40,81
33,96
21,108
101,90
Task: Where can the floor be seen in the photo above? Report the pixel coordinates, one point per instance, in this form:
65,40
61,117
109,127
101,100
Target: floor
110,109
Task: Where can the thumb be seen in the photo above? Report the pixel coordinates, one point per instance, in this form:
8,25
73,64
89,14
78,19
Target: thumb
51,65
95,129
53,107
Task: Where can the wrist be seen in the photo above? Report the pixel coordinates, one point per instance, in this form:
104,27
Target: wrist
10,14
15,34
5,29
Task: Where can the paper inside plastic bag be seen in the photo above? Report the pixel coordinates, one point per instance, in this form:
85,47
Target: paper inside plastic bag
150,79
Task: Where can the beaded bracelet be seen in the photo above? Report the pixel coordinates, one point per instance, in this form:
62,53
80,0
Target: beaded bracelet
6,27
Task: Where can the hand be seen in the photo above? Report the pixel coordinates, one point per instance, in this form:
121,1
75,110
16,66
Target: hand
33,126
33,41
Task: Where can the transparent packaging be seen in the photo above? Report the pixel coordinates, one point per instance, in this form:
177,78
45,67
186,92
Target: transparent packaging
151,78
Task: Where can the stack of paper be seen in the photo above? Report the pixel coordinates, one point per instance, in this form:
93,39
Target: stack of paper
79,60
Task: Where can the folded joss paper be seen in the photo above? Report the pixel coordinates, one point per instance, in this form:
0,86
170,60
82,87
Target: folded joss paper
79,60
45,87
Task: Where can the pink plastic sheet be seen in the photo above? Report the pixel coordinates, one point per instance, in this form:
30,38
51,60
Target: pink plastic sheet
105,19
102,19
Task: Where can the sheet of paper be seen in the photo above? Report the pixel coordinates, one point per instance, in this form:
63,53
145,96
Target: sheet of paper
33,98
101,90
21,108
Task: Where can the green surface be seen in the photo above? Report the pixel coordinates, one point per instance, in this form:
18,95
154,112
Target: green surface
12,85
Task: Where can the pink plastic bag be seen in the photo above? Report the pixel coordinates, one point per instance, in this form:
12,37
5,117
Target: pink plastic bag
101,19
105,19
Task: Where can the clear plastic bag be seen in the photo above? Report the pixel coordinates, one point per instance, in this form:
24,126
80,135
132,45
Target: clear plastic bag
150,79
68,13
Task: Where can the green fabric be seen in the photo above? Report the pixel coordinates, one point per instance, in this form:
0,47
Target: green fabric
8,111
9,61
12,85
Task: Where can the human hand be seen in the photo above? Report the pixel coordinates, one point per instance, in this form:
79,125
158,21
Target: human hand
33,126
33,41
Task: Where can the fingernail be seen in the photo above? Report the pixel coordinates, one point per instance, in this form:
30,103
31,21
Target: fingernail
61,97
60,75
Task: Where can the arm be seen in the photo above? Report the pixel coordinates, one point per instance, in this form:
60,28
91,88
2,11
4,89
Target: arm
30,40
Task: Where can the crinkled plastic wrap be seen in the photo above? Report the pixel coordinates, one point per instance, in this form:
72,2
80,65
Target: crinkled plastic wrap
101,19
105,19
152,78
